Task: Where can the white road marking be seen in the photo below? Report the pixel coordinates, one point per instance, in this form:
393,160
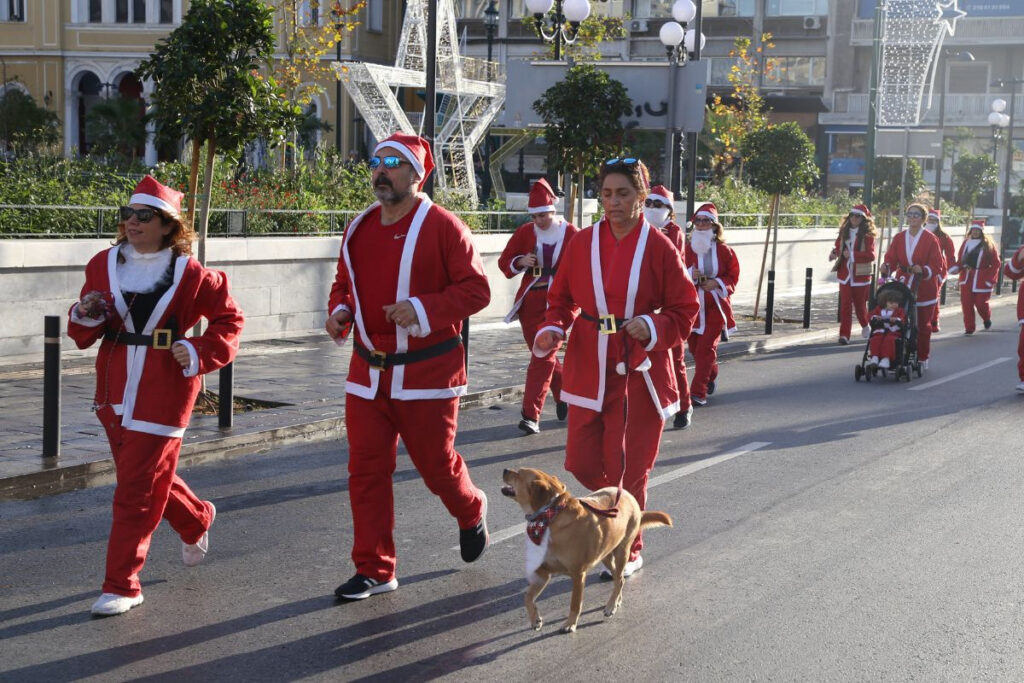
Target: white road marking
958,375
513,531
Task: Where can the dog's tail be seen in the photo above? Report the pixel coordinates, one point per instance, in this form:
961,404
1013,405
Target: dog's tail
654,518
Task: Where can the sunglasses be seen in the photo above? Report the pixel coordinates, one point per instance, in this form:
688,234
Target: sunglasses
701,220
914,214
655,204
389,162
625,161
144,215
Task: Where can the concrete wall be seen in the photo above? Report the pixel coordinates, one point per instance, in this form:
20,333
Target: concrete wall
282,283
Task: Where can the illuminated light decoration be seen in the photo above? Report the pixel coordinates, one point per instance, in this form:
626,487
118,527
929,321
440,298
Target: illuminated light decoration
469,101
912,35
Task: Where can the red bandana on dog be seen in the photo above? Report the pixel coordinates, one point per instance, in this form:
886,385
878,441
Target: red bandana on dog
538,524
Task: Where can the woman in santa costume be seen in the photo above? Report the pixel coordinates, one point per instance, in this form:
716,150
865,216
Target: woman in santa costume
1014,270
626,283
534,252
915,259
977,266
408,275
141,297
660,213
715,270
933,224
854,254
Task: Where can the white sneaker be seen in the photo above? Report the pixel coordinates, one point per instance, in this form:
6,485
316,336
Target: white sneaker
865,331
109,604
873,360
630,568
193,553
884,363
1020,387
924,365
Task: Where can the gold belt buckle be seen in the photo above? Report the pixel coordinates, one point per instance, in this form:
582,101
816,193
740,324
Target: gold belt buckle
538,271
378,360
162,339
606,324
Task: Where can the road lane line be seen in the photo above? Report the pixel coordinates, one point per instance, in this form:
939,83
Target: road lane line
513,531
958,375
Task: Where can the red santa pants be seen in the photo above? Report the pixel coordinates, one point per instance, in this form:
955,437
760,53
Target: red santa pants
938,308
925,314
427,429
704,349
147,490
883,345
852,300
542,373
1020,354
679,366
593,448
971,301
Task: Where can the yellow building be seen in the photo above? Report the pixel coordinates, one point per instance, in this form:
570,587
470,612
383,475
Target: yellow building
67,54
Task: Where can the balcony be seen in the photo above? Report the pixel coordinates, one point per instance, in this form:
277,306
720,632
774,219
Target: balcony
961,110
976,31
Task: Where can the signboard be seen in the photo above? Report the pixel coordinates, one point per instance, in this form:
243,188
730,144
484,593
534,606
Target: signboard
974,8
912,142
645,82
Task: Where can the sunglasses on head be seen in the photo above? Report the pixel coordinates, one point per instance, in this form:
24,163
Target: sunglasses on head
144,215
389,162
655,204
624,161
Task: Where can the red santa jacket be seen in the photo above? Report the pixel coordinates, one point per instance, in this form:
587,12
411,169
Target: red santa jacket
863,252
983,278
524,241
1014,269
948,252
659,291
721,265
891,320
675,235
442,275
924,250
144,385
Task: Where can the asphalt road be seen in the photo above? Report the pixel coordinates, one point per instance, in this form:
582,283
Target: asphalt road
825,529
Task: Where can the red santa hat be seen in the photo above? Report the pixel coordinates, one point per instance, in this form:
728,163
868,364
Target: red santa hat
151,192
706,210
636,357
935,213
861,210
542,197
978,223
660,193
416,151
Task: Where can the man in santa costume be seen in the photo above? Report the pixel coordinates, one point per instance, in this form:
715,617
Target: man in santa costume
915,258
715,270
141,297
977,266
533,252
933,224
660,213
407,276
1014,270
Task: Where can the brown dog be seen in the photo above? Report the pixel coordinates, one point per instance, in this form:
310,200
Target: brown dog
564,537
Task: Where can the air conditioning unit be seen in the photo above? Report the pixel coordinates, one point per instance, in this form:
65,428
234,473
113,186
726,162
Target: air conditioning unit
637,25
812,23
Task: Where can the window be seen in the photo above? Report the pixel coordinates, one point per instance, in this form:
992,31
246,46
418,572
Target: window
471,9
658,9
130,11
967,78
121,12
796,72
796,8
12,10
375,16
166,11
96,11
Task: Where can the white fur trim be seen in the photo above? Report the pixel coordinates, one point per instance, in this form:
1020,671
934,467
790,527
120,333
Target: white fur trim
84,321
193,365
150,200
340,307
544,354
541,209
654,331
858,212
421,313
406,152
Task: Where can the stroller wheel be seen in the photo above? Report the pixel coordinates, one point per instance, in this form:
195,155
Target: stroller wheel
917,369
858,372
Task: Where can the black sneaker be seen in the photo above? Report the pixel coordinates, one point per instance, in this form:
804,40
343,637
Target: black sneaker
473,542
711,387
360,587
529,426
561,410
682,418
987,324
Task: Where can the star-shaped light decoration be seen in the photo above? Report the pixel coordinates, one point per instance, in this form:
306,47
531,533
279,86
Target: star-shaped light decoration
470,100
948,13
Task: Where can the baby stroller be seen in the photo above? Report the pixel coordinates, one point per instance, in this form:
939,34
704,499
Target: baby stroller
906,361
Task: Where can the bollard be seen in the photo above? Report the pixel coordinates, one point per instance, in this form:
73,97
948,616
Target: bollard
999,283
769,309
808,276
942,294
226,402
465,343
51,387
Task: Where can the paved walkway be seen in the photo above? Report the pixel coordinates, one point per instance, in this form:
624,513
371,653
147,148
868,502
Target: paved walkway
304,378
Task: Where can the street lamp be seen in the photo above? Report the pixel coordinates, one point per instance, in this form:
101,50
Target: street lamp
998,120
572,11
678,42
337,86
491,17
1012,83
944,56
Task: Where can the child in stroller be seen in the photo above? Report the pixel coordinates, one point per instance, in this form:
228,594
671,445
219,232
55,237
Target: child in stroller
892,346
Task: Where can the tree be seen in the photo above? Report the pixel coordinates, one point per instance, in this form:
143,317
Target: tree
116,127
779,160
24,125
594,30
972,175
889,179
583,117
209,88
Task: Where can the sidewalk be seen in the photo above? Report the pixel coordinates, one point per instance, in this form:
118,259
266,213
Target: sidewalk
304,377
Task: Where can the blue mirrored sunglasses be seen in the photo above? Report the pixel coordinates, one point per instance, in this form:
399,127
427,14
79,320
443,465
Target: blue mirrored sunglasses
389,162
625,161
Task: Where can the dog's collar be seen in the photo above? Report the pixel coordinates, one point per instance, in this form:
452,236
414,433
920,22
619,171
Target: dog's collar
537,523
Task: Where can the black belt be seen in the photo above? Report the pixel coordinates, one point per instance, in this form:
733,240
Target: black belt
606,324
382,361
161,339
538,271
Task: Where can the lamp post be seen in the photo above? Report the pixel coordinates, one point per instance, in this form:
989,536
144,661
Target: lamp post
1012,83
944,57
491,25
693,47
998,120
672,35
572,11
337,85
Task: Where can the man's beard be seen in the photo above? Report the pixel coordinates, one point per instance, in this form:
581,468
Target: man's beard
385,193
